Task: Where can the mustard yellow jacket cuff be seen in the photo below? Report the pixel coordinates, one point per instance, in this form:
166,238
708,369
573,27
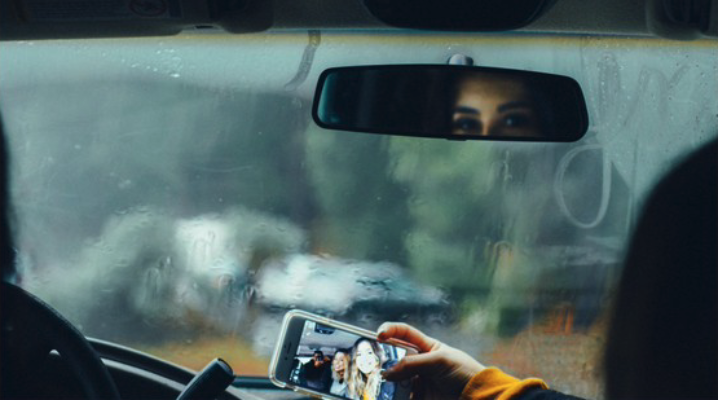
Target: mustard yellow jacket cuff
494,384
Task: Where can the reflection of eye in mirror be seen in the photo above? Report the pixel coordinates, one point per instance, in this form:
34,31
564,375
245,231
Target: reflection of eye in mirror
493,105
451,102
466,124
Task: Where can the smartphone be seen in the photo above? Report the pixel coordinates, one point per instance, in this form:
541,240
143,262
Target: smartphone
333,360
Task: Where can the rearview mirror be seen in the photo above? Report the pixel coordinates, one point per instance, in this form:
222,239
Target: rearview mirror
451,102
323,329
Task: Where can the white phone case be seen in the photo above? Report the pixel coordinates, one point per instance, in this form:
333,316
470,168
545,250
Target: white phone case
282,336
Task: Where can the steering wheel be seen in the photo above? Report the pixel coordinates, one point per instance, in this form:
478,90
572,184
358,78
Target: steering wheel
23,312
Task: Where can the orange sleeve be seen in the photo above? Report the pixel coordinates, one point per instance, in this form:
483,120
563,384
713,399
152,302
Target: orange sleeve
494,384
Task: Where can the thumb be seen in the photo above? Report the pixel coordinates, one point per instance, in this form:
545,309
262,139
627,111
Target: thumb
402,332
414,364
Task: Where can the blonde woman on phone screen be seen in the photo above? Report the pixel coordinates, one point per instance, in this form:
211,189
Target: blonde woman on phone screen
365,381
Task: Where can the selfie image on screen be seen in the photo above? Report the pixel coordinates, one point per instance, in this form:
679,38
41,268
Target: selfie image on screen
343,364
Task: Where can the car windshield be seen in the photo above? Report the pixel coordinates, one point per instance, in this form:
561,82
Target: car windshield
174,195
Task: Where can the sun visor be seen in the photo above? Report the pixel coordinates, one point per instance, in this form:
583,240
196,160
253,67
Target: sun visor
683,19
60,19
458,15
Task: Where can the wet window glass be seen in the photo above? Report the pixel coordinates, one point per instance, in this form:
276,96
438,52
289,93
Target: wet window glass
174,195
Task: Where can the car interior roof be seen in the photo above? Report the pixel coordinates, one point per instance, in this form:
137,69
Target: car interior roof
637,18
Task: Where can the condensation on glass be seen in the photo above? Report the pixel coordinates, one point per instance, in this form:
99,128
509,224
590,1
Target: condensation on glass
181,206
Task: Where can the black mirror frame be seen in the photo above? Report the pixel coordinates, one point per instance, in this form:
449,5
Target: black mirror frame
578,92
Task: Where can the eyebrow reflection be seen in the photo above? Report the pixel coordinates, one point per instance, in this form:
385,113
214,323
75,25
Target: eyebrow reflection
466,110
511,105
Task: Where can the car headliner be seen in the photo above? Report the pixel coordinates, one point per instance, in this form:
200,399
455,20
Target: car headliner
567,17
328,343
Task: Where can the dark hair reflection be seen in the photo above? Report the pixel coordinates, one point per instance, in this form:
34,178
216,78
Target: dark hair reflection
499,105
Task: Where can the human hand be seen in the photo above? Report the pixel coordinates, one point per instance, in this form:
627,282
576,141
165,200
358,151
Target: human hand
441,371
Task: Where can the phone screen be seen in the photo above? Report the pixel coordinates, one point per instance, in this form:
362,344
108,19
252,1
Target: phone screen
343,364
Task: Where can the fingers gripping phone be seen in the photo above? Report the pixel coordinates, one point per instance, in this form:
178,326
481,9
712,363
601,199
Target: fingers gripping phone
330,359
